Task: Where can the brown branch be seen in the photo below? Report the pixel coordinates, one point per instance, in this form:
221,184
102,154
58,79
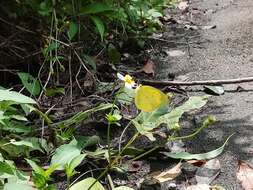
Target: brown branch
192,83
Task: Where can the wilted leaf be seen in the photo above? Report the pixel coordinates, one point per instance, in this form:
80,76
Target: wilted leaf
208,172
216,90
203,156
149,67
245,175
208,27
170,174
175,53
85,185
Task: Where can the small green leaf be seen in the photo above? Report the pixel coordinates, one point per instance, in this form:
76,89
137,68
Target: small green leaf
35,167
113,54
99,25
6,95
203,156
95,8
90,61
73,29
54,91
86,183
30,83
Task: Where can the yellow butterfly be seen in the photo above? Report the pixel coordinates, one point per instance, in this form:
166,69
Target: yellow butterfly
148,98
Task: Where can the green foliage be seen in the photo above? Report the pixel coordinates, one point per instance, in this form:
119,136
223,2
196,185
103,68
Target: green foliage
203,156
30,83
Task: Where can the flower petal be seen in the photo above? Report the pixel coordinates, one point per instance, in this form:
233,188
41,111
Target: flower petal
120,77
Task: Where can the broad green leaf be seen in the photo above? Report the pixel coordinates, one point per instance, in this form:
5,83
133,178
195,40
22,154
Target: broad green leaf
86,183
86,141
145,122
203,156
123,188
6,95
99,25
21,143
94,8
14,186
30,83
172,118
73,28
126,96
76,161
65,154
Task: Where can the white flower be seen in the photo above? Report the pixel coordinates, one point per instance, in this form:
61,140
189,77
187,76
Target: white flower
129,81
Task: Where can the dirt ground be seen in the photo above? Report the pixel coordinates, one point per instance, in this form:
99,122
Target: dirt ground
221,53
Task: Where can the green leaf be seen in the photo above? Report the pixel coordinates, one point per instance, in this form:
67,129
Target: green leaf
215,90
6,95
35,167
145,122
6,168
54,91
65,154
113,54
86,183
73,29
90,61
30,83
70,168
95,8
99,25
172,118
79,117
14,186
203,156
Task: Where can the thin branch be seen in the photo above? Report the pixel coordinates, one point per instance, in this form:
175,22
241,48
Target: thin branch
204,82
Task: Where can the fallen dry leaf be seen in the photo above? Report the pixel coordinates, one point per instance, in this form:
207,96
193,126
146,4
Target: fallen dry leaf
183,5
175,53
208,172
191,27
245,175
149,67
208,27
170,174
196,162
198,187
